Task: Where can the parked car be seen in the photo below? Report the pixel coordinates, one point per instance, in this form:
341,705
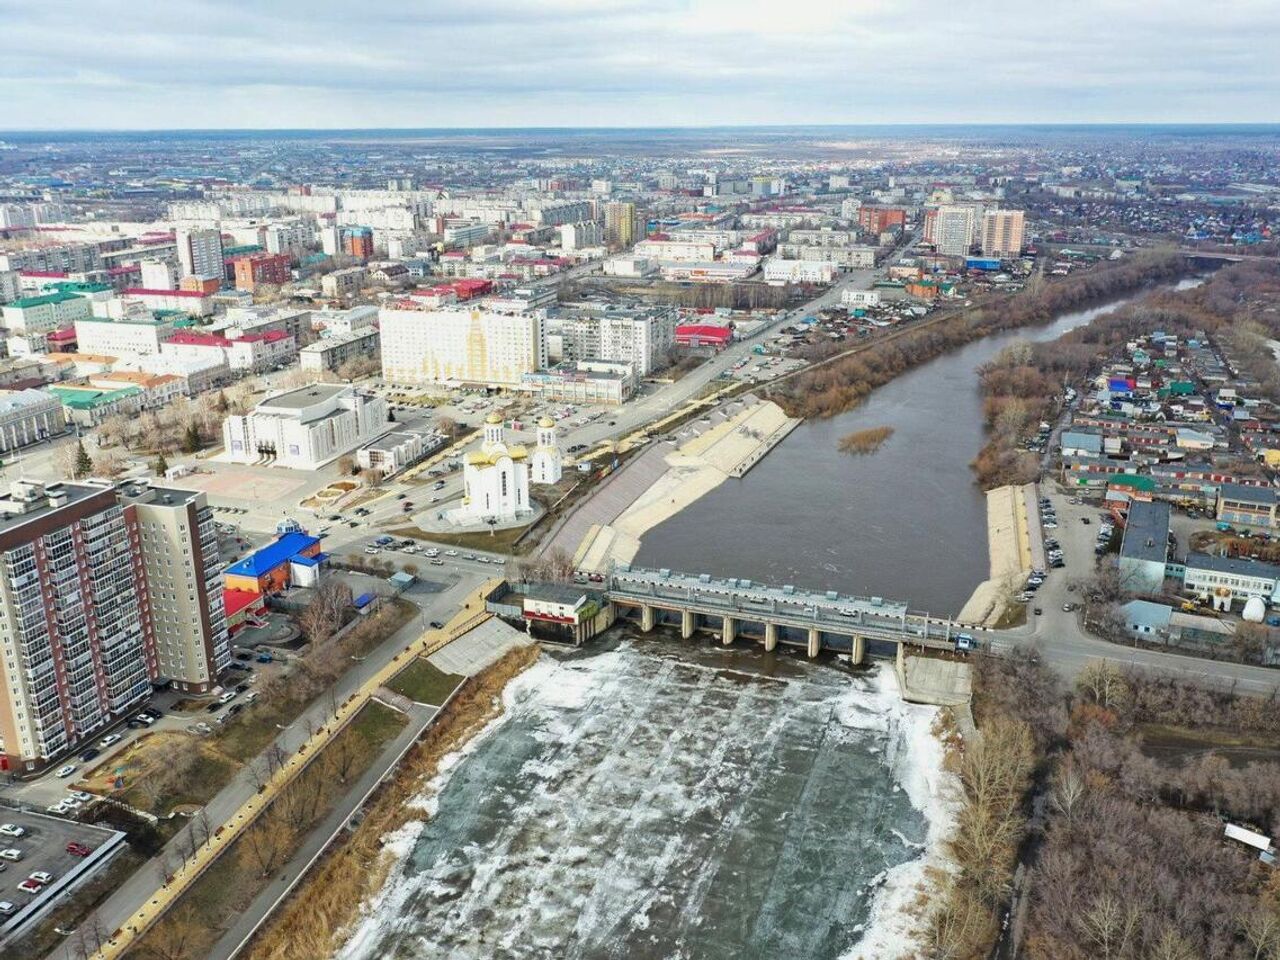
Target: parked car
437,625
81,796
109,739
89,754
12,830
6,908
30,886
13,854
227,697
66,770
77,849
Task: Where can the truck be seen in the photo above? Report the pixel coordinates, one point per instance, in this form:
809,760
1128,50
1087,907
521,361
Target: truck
965,642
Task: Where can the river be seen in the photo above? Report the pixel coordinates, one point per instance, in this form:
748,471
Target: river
648,798
907,522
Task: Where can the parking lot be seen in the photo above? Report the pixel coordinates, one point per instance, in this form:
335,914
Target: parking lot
43,848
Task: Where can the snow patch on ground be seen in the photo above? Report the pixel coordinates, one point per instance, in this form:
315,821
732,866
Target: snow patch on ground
893,929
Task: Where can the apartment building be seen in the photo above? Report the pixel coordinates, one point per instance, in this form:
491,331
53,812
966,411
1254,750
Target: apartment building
262,268
623,224
199,252
1003,233
179,541
640,337
77,650
460,346
328,354
953,229
343,283
137,335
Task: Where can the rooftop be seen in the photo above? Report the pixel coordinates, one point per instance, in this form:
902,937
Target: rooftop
48,298
1233,565
1146,532
1244,494
272,555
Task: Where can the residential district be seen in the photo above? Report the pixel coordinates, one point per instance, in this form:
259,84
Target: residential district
296,431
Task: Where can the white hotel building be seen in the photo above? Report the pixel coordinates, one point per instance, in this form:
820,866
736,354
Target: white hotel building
460,346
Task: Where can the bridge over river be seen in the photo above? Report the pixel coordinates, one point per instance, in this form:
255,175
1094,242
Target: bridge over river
734,608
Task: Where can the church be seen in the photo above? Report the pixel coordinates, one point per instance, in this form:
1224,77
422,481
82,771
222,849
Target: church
496,477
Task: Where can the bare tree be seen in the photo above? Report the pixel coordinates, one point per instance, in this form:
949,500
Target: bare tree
323,615
1104,683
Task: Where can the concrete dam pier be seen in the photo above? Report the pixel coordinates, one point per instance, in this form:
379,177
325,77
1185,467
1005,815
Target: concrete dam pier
735,608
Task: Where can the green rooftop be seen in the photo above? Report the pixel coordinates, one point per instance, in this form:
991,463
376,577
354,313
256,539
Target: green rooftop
27,302
80,398
1133,482
75,286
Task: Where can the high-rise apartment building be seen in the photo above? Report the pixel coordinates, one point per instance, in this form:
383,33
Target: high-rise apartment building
642,338
179,540
953,229
357,242
1003,233
460,346
76,644
622,224
200,252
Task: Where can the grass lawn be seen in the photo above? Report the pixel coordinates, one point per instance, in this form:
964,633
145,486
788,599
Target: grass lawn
1014,615
424,682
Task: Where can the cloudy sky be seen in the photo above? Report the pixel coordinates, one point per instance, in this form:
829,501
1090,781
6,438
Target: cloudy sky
148,64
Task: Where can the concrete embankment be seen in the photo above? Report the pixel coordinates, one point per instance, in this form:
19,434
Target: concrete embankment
666,478
1014,548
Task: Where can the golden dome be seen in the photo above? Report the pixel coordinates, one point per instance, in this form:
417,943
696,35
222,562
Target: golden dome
546,423
494,417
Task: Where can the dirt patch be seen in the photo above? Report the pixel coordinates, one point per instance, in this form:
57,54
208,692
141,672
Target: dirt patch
1177,745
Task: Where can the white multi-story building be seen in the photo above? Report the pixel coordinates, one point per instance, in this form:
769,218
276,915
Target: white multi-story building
953,230
138,335
465,234
460,346
10,285
291,236
339,323
305,428
640,337
179,540
576,236
778,271
191,302
343,283
200,252
29,416
53,311
680,250
394,451
158,275
853,258
860,298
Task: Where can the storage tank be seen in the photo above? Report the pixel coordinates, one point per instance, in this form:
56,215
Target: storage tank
1254,610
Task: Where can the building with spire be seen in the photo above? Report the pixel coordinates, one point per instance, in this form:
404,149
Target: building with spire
495,480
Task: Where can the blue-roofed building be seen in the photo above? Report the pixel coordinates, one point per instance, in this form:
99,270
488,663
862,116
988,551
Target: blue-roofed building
294,559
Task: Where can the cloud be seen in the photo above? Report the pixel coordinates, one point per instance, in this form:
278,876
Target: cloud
324,63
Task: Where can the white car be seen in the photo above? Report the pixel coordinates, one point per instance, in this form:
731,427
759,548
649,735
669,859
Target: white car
6,908
451,553
66,770
227,697
11,830
109,739
80,795
13,853
42,877
58,808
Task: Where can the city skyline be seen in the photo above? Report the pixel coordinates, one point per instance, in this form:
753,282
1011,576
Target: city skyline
190,65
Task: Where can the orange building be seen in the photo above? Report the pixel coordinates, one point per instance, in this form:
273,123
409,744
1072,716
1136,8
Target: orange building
271,569
879,219
257,268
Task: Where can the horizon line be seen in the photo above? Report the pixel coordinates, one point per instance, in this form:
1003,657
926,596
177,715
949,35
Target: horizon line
672,126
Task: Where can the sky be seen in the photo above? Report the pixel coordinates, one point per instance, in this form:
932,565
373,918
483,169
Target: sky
175,64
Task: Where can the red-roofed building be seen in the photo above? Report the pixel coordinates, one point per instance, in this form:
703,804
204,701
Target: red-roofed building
242,606
250,353
703,335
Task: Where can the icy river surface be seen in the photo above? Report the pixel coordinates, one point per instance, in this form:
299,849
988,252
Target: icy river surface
667,800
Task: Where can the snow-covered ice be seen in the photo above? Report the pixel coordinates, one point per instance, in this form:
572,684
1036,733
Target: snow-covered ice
666,801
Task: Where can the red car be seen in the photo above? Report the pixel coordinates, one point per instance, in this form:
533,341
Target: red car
78,849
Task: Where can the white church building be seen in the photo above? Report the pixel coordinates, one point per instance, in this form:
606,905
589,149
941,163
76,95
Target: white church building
496,477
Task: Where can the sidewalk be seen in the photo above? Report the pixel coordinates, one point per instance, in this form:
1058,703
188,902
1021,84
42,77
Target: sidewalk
238,935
